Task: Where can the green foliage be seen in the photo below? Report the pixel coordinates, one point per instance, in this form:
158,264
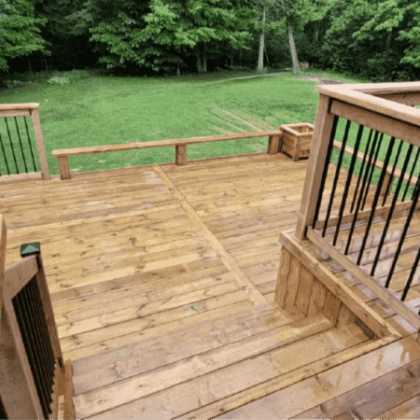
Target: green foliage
59,80
19,31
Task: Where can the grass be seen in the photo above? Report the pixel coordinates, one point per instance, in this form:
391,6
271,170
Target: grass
96,109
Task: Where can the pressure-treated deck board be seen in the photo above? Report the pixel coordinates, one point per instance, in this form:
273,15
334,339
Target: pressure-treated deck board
130,262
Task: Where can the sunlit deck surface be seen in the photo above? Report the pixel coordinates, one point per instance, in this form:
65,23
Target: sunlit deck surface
162,280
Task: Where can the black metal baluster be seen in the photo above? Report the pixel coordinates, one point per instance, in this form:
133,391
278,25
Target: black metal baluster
19,306
30,143
391,210
42,335
404,232
337,174
372,170
49,354
4,155
348,182
411,173
360,198
11,144
32,327
392,173
376,198
411,276
369,163
21,145
325,172
361,171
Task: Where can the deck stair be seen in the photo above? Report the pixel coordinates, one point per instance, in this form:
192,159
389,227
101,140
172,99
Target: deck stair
189,370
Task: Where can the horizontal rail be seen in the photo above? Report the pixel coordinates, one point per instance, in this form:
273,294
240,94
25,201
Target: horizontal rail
395,110
180,145
11,107
385,124
161,143
387,296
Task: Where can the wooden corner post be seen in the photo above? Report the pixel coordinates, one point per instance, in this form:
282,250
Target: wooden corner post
40,144
317,158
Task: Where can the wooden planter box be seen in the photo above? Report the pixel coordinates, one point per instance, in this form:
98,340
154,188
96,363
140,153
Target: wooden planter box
296,140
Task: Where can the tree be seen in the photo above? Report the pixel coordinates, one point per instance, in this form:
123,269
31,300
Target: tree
190,26
19,31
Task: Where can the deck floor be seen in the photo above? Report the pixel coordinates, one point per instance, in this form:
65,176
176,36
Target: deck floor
134,254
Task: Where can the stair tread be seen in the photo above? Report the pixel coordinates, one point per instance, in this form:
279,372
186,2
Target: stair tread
162,393
233,326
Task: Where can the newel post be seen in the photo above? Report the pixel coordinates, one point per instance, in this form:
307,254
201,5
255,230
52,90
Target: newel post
317,157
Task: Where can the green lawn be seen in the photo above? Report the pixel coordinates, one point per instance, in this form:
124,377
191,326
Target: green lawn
95,110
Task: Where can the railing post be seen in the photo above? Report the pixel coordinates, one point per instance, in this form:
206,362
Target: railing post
273,145
316,162
181,154
40,144
63,167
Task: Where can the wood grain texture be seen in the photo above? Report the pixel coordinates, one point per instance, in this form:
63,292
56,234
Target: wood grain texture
40,143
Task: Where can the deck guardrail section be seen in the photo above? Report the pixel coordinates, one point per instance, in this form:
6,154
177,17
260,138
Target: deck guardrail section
31,363
374,145
21,144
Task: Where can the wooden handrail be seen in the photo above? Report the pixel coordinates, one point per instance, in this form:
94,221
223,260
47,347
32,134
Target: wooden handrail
10,107
180,144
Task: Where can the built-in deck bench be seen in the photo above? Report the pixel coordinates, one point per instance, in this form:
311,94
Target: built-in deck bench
180,147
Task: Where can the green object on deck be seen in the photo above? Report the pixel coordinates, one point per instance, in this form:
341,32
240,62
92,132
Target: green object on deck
26,250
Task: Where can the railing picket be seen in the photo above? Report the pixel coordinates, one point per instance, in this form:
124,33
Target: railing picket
30,143
369,163
360,198
348,182
21,145
361,171
30,346
369,183
11,144
411,173
376,198
391,210
44,339
393,171
4,155
337,174
325,172
404,232
411,276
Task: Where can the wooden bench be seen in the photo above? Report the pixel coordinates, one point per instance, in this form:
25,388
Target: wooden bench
180,147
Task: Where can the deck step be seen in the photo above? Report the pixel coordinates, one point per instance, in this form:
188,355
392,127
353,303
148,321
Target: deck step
190,377
144,354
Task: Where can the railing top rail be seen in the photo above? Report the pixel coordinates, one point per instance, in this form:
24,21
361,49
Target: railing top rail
12,107
363,96
162,143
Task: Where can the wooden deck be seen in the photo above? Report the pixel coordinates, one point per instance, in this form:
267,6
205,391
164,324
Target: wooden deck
162,280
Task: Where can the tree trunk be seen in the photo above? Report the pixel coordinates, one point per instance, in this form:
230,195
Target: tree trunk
260,65
199,62
204,58
293,50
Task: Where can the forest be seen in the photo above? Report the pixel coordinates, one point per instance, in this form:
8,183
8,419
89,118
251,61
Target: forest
376,39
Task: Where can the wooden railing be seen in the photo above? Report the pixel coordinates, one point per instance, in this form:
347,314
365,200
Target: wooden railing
180,147
379,131
17,152
32,372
